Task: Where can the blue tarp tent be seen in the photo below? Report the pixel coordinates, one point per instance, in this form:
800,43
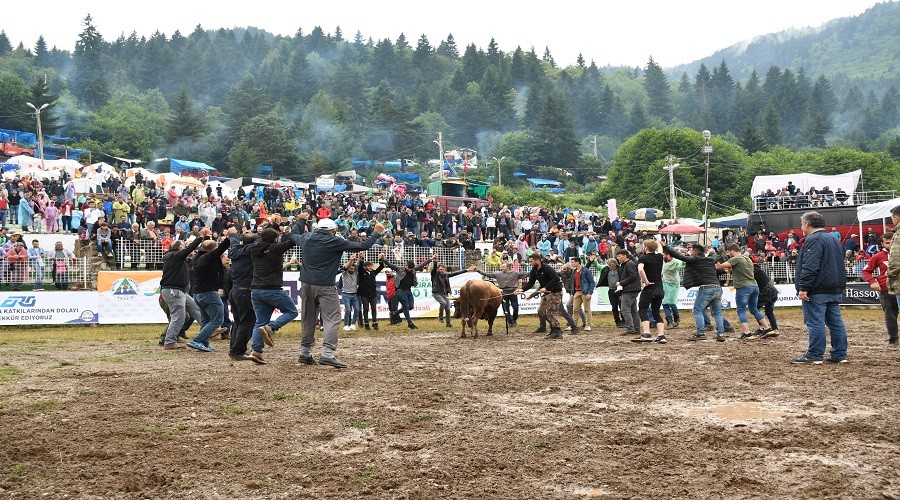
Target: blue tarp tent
407,178
550,185
20,137
179,166
520,174
6,167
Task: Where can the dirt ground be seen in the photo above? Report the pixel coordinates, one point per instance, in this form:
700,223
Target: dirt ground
104,413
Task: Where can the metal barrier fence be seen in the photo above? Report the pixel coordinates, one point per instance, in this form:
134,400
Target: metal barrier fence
147,255
48,274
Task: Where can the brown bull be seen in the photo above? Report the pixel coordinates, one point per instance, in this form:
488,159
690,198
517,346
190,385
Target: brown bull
478,299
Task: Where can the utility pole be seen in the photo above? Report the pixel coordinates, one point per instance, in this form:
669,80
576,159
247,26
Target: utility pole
707,149
37,113
440,145
595,147
499,173
673,201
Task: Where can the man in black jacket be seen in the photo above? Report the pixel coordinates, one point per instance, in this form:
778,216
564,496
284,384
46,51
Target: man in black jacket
629,286
322,252
440,287
208,268
173,288
405,281
551,290
700,271
239,299
367,290
267,293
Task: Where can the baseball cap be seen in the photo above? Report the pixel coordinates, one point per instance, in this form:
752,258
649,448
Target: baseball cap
326,224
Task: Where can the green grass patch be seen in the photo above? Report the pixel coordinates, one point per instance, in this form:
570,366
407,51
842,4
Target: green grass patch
235,410
45,406
64,363
290,396
368,475
9,372
15,471
423,417
359,423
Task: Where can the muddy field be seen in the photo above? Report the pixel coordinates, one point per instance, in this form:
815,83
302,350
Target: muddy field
104,413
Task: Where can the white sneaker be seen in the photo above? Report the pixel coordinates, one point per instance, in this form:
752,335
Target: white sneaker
353,327
347,328
587,328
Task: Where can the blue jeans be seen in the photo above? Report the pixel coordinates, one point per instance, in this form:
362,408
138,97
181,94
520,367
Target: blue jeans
712,298
819,311
3,218
747,297
211,315
405,299
351,308
264,304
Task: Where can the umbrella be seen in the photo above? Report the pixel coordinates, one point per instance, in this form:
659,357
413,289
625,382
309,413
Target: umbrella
681,229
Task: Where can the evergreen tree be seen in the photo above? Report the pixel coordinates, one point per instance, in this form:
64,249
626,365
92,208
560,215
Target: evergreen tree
41,54
14,114
548,58
580,61
184,123
637,119
90,68
657,86
890,109
267,137
493,53
447,48
517,70
555,134
473,64
771,126
423,52
5,46
40,95
751,139
817,122
246,101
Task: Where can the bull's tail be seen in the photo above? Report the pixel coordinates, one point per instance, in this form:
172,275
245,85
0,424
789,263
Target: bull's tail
464,307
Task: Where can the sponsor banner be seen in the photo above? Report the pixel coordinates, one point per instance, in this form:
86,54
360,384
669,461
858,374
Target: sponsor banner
129,297
48,308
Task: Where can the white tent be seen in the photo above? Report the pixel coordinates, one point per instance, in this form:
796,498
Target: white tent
227,192
875,211
24,161
805,181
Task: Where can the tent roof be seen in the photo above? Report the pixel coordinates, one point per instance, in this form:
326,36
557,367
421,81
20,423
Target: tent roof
177,166
875,211
804,181
534,180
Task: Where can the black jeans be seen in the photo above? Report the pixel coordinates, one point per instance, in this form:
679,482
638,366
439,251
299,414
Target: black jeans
369,303
651,297
614,302
511,306
889,304
244,319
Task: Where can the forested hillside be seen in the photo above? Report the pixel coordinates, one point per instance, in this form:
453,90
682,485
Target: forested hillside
308,103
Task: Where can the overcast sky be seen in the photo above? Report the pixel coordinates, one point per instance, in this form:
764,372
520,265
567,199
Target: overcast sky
609,32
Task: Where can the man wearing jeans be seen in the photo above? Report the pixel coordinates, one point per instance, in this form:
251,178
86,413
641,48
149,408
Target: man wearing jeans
405,280
820,281
700,272
746,291
207,268
267,292
173,288
349,289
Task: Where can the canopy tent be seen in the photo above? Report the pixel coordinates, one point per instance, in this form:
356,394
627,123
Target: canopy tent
19,136
730,221
550,185
8,166
804,181
227,191
105,170
875,211
645,214
181,166
682,229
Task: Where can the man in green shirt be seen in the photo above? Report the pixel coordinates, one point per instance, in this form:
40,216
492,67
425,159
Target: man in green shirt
746,291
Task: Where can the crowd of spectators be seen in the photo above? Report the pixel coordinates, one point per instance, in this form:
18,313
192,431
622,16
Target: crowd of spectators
143,215
791,196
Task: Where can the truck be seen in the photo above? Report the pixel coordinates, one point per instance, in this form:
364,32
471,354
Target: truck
11,149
